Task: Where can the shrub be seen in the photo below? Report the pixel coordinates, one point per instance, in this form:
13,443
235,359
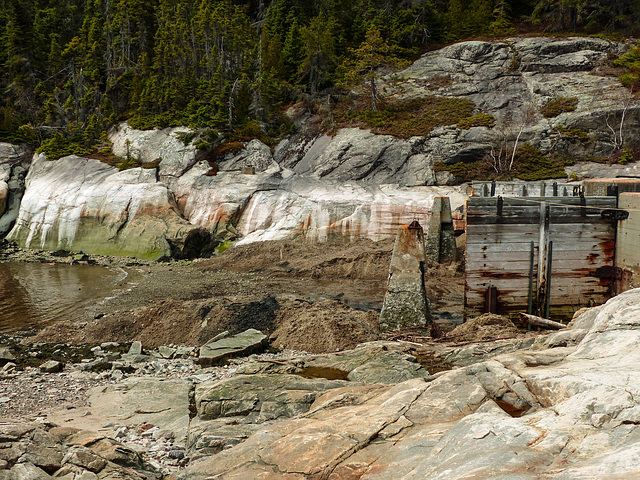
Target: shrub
408,118
478,120
559,105
531,164
576,133
630,61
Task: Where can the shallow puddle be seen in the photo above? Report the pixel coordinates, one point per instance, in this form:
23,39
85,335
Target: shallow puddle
323,372
36,294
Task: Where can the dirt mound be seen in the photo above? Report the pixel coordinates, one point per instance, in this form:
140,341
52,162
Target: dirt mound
318,327
323,327
485,327
361,259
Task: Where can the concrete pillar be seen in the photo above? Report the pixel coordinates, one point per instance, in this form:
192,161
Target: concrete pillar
405,303
628,244
441,239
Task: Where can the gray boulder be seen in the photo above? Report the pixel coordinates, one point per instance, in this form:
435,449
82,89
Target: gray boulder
14,164
6,355
254,154
164,146
217,352
51,366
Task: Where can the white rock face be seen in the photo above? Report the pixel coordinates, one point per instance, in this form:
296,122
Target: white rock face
79,204
546,413
279,204
320,211
150,145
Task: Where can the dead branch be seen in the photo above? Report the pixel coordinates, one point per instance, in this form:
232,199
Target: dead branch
541,322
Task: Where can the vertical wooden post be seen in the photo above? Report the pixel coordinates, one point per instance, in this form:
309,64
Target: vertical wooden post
491,300
543,244
547,304
531,264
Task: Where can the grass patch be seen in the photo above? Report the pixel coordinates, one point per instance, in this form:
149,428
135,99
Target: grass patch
405,119
478,120
559,105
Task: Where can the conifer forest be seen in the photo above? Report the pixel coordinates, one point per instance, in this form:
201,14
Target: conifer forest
72,68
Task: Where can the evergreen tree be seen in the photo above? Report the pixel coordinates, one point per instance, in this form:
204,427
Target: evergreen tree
362,67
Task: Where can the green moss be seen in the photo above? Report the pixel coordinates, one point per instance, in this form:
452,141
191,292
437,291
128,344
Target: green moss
576,133
153,164
223,246
559,105
409,118
477,120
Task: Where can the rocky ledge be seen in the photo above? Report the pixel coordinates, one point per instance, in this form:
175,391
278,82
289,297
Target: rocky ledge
559,404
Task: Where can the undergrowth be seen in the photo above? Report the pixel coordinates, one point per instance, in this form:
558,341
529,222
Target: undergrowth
406,118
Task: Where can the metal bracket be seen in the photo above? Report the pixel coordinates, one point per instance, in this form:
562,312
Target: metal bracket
614,214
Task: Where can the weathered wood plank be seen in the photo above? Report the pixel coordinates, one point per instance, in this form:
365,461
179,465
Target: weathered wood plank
496,249
606,202
523,219
561,228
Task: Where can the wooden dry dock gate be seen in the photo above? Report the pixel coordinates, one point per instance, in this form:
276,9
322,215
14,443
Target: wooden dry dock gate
545,255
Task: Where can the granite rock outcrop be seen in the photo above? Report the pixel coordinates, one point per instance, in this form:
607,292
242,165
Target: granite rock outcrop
547,412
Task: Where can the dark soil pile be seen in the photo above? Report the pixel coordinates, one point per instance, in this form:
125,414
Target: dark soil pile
323,327
318,327
485,327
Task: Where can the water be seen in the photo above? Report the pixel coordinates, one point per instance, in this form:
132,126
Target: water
36,294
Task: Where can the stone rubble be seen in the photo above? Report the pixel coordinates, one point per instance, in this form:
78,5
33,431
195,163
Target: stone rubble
30,393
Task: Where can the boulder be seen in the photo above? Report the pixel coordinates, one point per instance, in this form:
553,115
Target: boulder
216,352
14,163
79,204
174,155
51,366
6,355
255,154
4,196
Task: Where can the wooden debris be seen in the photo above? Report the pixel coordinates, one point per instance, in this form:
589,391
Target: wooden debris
541,322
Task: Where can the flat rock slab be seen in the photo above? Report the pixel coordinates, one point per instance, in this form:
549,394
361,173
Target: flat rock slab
219,351
6,355
164,403
372,362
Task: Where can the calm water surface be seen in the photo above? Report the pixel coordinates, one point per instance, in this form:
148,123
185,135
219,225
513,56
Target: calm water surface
35,294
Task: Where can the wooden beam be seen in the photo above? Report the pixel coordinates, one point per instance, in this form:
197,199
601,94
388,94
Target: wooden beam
536,321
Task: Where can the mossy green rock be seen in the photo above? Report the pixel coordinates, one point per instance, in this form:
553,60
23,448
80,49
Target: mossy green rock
78,204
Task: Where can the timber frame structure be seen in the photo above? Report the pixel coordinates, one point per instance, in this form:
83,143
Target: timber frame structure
544,255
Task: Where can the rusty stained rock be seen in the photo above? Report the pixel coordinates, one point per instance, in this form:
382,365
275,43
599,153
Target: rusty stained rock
406,303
